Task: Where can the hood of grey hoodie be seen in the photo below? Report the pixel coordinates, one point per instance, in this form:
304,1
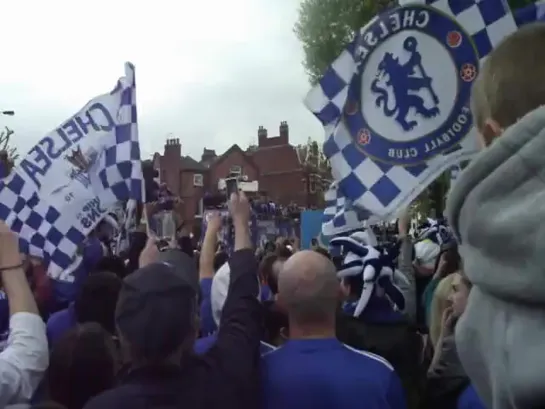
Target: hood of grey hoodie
497,211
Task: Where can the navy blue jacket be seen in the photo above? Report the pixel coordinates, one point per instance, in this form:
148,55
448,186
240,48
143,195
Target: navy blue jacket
224,377
326,374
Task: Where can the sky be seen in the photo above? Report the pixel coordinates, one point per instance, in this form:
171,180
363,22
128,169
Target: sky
207,72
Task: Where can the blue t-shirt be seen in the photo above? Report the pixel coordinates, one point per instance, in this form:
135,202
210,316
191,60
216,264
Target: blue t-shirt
60,322
202,345
469,399
66,291
325,374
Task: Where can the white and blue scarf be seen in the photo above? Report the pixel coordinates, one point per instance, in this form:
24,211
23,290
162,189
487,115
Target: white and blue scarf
435,230
362,256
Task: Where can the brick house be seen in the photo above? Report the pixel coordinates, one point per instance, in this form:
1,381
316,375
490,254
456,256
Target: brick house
274,167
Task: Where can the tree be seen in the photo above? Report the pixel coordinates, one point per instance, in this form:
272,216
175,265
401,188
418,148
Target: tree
316,168
8,155
325,27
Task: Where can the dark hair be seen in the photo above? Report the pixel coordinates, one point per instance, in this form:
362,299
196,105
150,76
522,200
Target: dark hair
112,264
323,252
97,299
283,252
82,365
266,270
220,259
453,261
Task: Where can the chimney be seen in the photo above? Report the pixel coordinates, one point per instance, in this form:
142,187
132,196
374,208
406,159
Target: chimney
284,133
173,149
208,155
261,136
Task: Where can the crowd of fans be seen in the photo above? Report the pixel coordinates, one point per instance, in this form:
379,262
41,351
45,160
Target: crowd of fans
266,327
453,323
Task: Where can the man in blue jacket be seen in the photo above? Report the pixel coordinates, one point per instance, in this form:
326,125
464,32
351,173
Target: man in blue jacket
313,369
156,316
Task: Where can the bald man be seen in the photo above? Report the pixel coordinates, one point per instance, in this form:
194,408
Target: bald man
313,369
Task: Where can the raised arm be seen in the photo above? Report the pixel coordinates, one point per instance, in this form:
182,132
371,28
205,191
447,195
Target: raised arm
208,250
25,358
237,347
206,272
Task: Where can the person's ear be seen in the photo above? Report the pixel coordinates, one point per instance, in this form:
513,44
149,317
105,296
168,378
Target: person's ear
489,132
284,334
279,302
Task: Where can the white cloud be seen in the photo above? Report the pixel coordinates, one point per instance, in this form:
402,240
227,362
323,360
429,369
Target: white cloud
208,72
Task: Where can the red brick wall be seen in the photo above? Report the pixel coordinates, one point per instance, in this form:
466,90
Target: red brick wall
170,168
284,187
221,170
189,194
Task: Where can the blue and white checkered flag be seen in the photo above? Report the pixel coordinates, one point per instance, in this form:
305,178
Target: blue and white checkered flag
394,104
128,224
339,214
68,182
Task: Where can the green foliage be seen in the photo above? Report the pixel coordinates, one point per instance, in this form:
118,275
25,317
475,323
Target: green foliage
8,155
516,4
325,27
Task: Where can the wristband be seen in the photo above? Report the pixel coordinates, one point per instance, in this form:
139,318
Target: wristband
15,267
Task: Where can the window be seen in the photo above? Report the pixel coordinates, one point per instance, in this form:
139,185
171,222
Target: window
235,170
198,180
312,184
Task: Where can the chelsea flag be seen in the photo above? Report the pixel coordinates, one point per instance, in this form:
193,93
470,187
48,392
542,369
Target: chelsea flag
67,183
395,103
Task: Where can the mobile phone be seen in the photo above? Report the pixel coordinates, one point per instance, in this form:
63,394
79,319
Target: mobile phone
231,186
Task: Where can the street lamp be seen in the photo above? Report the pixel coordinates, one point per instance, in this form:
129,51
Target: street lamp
8,113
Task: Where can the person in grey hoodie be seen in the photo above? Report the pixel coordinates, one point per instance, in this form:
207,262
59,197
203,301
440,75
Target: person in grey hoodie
497,211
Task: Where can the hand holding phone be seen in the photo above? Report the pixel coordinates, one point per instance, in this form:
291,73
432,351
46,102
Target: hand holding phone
231,186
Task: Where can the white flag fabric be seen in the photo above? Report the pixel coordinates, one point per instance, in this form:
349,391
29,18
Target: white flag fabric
67,183
340,216
395,103
127,225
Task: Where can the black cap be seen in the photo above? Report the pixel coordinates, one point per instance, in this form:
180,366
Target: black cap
157,305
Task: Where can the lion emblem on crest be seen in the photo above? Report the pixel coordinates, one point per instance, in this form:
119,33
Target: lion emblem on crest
404,80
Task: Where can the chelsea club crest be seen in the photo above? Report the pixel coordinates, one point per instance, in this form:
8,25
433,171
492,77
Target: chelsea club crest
409,99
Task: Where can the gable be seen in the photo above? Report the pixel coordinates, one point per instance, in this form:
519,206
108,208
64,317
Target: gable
234,155
276,159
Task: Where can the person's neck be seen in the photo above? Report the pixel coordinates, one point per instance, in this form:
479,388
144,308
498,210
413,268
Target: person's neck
312,331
